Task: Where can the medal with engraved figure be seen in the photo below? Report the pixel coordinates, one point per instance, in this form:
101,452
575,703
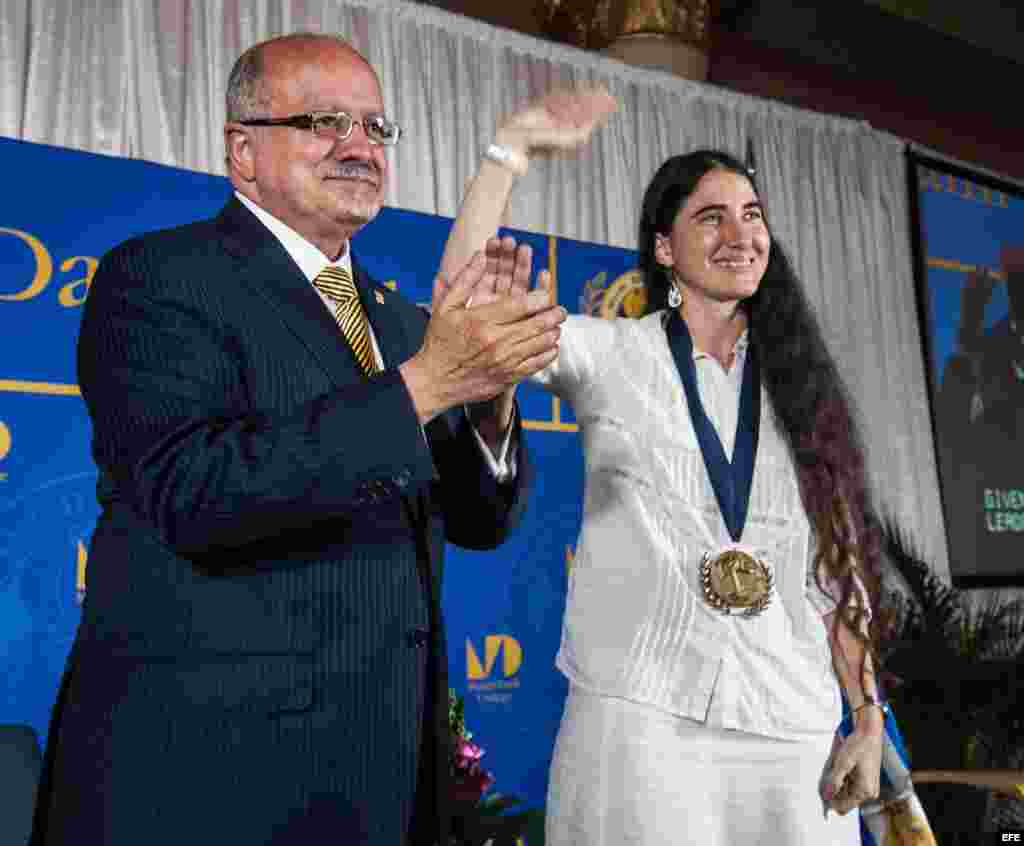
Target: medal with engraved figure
735,581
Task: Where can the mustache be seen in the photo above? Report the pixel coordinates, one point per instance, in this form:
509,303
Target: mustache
353,169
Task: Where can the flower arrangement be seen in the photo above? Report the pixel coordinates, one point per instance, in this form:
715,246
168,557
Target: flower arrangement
479,817
470,781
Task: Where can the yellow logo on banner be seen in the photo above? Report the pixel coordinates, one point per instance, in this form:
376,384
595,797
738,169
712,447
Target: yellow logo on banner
481,675
512,657
71,294
623,297
80,565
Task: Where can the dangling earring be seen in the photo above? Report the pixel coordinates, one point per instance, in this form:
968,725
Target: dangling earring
675,298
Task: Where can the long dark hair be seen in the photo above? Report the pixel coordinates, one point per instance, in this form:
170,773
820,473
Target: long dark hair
808,397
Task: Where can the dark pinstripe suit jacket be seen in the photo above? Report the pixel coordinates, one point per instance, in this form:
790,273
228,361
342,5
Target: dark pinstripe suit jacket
261,655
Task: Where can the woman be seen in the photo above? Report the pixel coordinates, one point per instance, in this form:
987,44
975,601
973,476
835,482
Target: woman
701,638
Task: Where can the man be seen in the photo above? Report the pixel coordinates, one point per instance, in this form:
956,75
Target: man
261,654
985,373
979,415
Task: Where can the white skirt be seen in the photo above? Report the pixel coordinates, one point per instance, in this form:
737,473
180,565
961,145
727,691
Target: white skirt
625,773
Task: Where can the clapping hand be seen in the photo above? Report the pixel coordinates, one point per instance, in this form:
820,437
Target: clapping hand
486,333
507,273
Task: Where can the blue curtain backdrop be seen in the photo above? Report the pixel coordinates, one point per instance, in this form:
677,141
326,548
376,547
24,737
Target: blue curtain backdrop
59,212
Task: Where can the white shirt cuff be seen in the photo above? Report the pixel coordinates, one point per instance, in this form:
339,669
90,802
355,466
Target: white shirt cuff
502,465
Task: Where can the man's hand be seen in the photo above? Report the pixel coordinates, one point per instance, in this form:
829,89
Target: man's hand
561,120
474,354
508,275
507,271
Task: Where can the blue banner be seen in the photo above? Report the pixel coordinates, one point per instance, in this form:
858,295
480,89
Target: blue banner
60,212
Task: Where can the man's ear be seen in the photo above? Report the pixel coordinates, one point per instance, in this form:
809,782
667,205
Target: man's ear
238,143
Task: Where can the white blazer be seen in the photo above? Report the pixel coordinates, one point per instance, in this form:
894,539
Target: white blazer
636,624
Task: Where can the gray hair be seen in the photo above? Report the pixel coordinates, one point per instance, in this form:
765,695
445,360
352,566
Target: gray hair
245,96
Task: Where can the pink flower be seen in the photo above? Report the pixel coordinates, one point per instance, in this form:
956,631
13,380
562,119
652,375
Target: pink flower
468,750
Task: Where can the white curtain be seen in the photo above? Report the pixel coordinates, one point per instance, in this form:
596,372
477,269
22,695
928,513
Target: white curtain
145,79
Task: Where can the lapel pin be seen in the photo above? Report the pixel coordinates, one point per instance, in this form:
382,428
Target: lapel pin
379,296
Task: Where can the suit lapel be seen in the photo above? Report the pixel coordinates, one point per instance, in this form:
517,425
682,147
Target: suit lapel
393,340
267,271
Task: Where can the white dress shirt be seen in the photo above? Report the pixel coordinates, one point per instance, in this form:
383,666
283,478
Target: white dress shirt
311,261
636,624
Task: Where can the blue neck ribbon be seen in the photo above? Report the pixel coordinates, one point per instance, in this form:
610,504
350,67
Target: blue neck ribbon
730,481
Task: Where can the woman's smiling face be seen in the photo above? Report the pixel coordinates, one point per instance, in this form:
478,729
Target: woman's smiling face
719,243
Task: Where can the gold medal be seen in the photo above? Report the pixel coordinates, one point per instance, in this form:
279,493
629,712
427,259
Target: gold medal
735,582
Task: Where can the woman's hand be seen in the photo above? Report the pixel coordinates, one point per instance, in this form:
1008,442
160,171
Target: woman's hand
561,120
853,771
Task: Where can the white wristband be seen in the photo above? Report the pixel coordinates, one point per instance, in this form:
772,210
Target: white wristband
511,159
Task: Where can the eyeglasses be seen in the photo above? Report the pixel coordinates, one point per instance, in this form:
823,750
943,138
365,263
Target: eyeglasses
337,126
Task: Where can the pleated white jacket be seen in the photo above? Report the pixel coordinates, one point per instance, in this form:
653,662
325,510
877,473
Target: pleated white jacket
636,625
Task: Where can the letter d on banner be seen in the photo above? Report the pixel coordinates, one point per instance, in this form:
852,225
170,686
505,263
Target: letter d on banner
44,266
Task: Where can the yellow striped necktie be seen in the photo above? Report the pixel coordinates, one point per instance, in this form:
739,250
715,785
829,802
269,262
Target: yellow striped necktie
336,284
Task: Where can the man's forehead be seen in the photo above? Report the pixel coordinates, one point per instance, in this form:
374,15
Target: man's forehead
314,68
